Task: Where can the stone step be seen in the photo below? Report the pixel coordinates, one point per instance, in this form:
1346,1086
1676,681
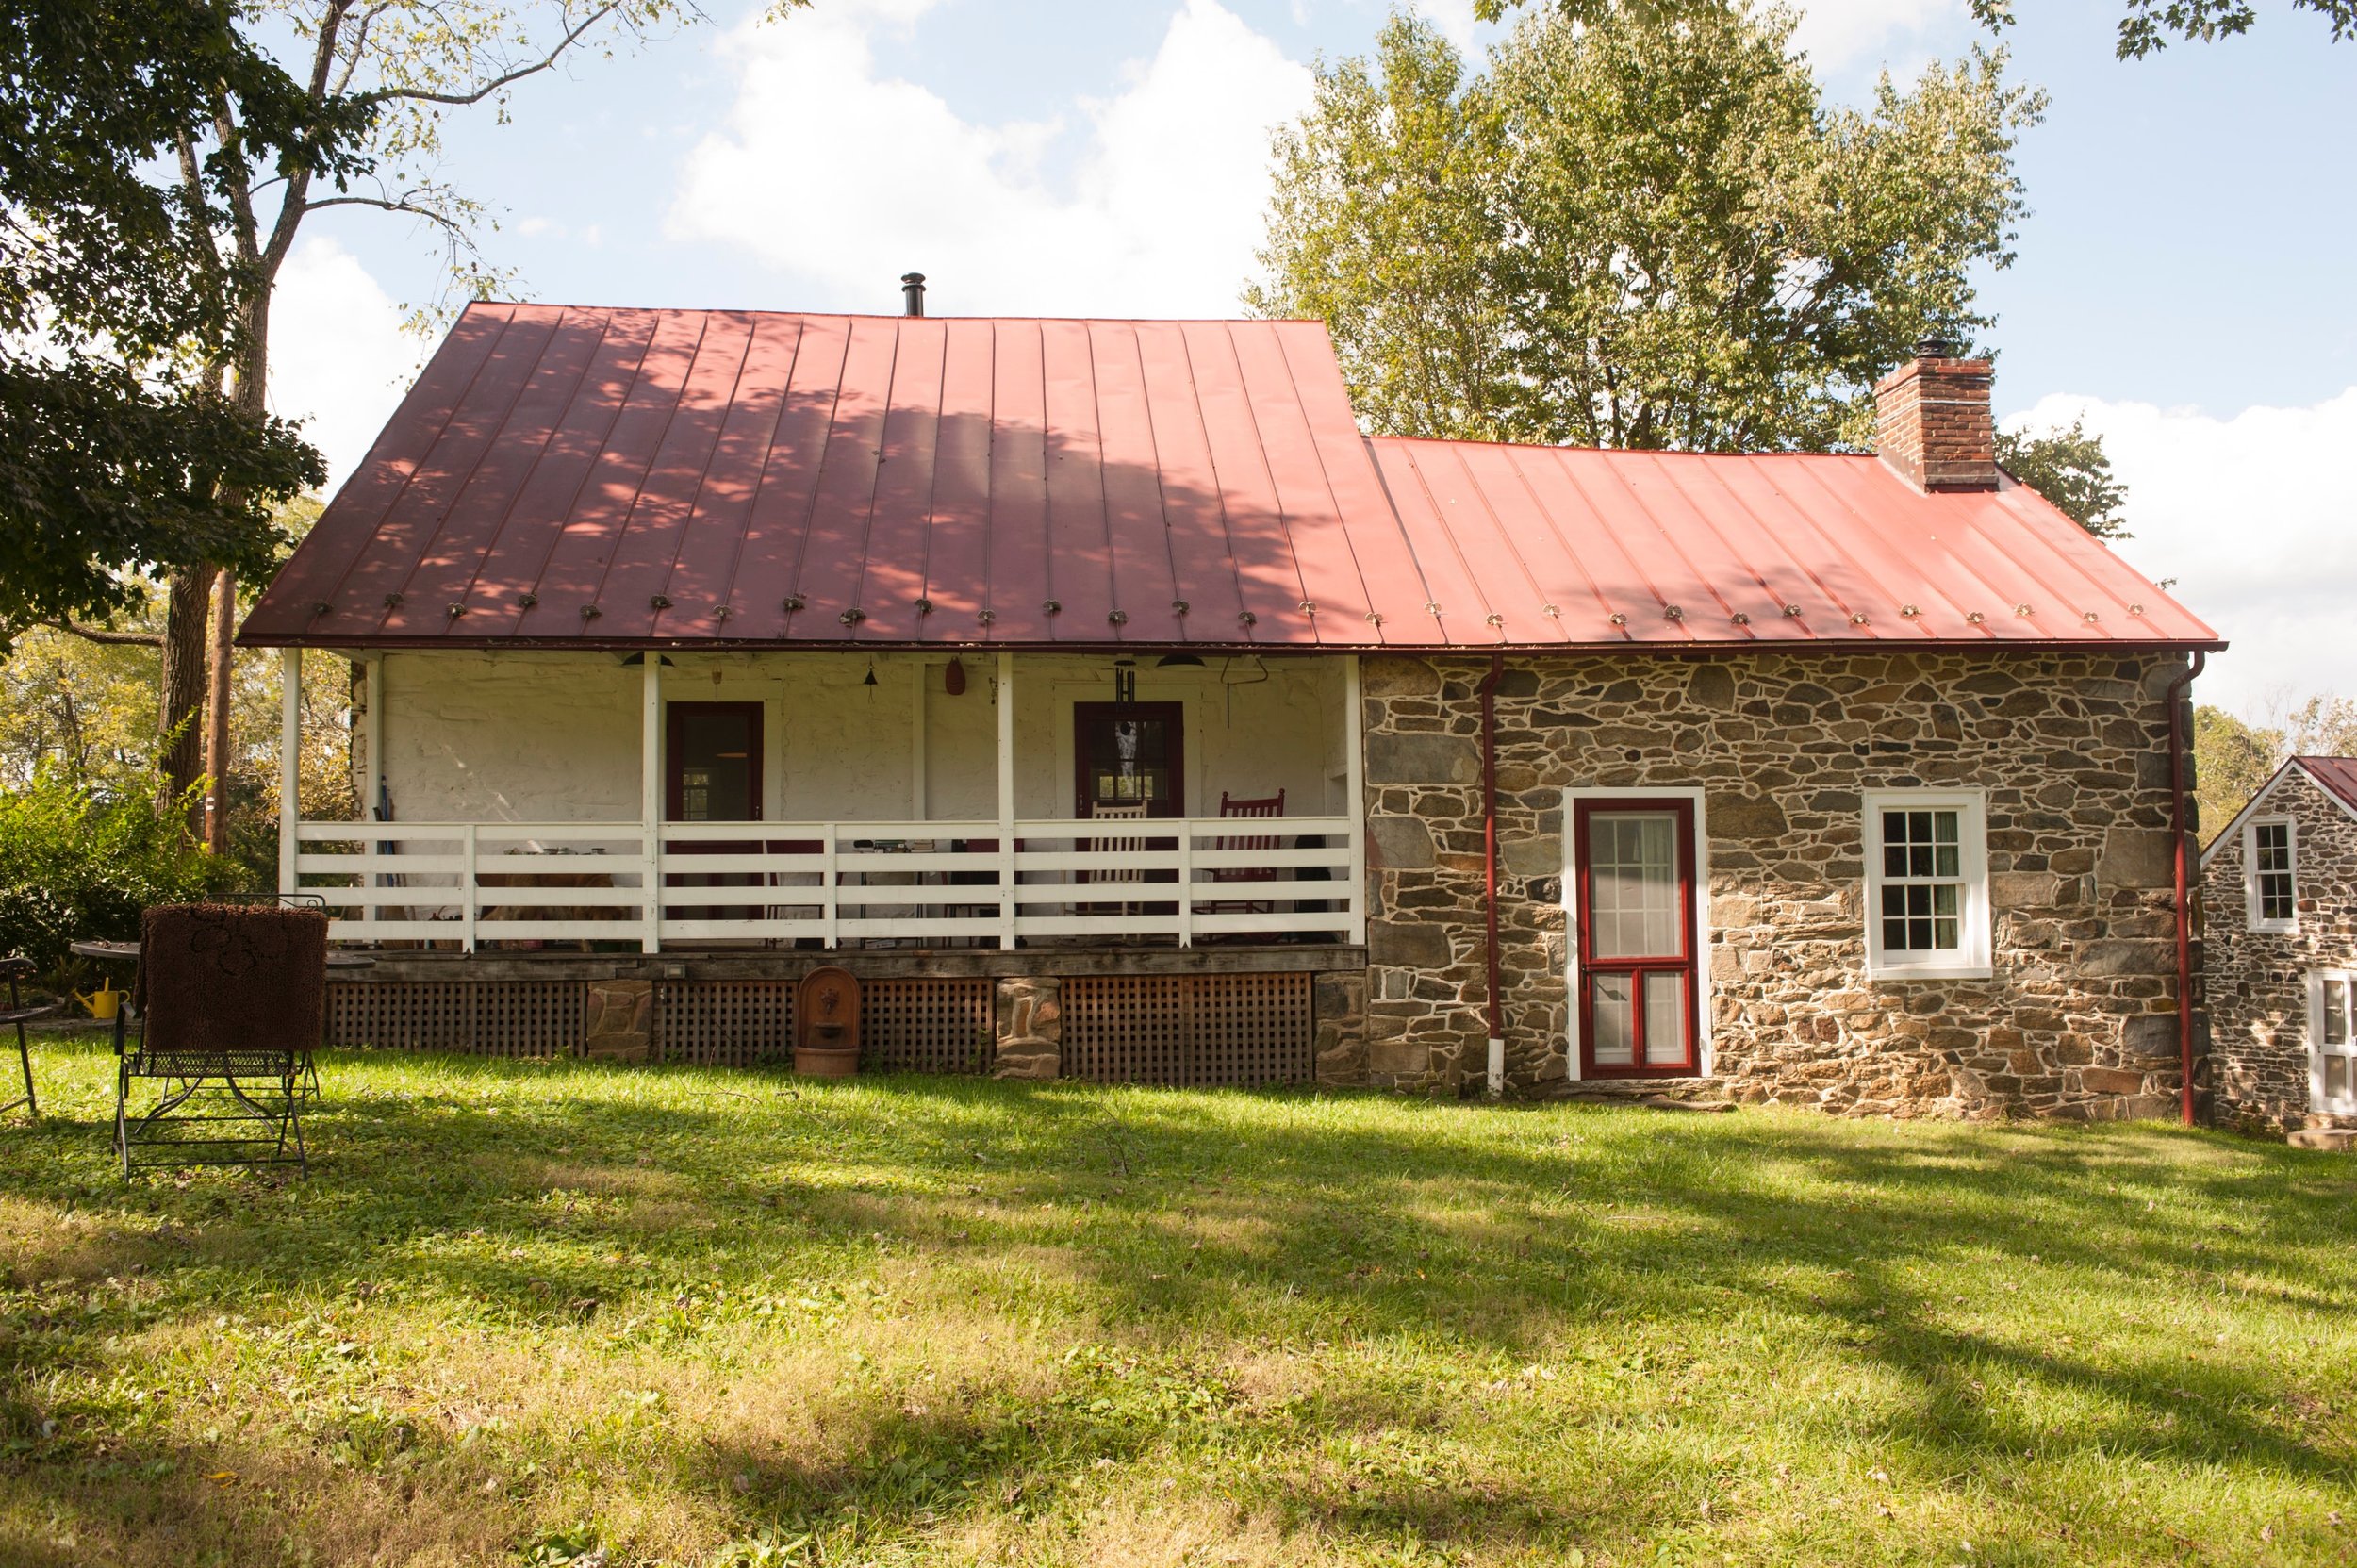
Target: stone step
2339,1140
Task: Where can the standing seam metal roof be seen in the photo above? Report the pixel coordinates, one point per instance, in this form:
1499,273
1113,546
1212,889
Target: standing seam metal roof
605,477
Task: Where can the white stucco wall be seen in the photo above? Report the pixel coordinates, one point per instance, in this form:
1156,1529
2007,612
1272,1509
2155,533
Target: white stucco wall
531,737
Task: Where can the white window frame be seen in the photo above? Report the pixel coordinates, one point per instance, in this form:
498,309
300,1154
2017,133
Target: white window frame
2317,1100
1705,1059
1971,960
2252,916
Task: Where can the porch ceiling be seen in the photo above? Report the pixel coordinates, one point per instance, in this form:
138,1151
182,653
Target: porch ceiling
595,478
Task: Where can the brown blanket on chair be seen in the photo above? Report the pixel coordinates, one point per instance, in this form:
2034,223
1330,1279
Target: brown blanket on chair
232,977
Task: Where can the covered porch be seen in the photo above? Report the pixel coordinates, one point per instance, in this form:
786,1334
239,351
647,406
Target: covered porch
537,802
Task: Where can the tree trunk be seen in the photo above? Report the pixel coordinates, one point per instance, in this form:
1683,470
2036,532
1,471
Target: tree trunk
179,724
217,719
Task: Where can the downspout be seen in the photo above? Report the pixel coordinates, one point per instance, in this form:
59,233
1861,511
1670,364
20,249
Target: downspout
1489,690
2177,740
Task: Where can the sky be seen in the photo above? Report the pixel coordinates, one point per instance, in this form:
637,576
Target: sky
2184,283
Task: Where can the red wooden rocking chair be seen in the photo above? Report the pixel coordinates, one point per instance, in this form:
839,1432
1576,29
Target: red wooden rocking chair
1271,805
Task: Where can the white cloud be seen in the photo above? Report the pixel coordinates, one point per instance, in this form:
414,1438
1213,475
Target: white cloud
1838,32
846,176
2254,517
339,359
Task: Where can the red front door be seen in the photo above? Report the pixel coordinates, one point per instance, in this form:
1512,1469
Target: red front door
1634,871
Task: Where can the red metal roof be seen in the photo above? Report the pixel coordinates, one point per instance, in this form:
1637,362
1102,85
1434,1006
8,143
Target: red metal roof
2338,775
566,476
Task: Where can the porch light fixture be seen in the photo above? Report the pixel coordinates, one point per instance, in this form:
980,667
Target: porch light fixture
1178,661
871,674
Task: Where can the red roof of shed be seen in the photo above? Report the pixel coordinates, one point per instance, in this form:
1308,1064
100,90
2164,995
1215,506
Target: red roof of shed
567,476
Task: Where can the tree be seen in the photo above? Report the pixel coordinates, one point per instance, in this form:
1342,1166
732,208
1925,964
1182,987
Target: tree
115,448
2069,469
1639,230
2145,29
2231,760
409,62
2149,24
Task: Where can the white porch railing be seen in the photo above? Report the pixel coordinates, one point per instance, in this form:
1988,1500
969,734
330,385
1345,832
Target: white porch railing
918,883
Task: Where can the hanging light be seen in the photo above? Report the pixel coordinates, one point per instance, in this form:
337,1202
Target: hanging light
1178,661
871,674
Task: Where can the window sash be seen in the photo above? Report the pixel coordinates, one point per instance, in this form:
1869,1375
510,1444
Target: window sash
2271,865
1928,885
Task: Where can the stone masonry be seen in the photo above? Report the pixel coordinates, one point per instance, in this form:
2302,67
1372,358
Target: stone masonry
2258,981
2079,1020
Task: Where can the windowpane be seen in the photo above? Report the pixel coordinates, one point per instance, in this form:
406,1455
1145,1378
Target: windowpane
2336,1077
2336,1012
1633,881
1665,1019
1614,1020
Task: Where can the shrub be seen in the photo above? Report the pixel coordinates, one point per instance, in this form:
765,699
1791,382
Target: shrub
78,860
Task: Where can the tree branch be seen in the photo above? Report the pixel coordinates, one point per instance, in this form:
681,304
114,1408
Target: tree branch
544,63
393,203
101,633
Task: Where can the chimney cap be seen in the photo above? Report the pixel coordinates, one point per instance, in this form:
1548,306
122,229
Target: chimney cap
913,294
1933,346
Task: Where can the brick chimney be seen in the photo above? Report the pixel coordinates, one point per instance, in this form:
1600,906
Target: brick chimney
1932,421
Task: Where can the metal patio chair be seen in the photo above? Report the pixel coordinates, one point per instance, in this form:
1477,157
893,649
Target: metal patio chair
232,1001
18,1014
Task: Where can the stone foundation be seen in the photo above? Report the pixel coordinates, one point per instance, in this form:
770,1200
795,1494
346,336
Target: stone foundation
1031,1028
2078,1020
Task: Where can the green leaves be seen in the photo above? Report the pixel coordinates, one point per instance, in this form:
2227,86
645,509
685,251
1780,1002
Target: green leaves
2068,467
1644,229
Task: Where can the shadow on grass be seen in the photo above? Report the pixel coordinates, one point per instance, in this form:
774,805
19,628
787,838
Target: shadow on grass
1187,1224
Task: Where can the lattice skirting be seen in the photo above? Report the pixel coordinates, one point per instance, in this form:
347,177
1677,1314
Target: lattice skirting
509,1018
1190,1031
927,1024
920,1024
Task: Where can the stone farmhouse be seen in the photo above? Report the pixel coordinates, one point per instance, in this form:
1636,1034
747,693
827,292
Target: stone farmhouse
2279,900
1108,703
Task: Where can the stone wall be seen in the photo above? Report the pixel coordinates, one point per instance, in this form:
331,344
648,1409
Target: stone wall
2258,981
2071,750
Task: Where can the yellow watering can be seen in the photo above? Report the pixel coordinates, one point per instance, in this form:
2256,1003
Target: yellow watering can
102,1003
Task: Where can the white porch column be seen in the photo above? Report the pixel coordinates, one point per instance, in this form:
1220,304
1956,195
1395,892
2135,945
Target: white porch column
1006,802
1354,774
650,797
289,757
916,741
372,782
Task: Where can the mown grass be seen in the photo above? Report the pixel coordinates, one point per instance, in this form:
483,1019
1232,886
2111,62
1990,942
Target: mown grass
537,1312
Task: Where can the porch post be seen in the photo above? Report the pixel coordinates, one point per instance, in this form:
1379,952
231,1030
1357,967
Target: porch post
1354,772
650,797
1006,802
290,756
916,740
372,782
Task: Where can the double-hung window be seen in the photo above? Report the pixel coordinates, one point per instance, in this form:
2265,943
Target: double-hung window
2333,1041
1926,885
2268,891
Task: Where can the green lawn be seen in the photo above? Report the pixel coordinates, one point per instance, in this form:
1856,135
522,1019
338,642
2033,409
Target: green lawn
530,1312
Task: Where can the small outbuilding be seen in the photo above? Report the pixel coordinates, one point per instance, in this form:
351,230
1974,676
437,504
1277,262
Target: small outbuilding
2278,892
1110,705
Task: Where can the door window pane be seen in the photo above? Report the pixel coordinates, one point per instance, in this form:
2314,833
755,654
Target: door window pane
2336,1012
2336,1077
1665,1019
1633,886
716,766
1613,1020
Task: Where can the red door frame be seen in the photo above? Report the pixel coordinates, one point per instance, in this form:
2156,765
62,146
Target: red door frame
1173,713
1687,965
